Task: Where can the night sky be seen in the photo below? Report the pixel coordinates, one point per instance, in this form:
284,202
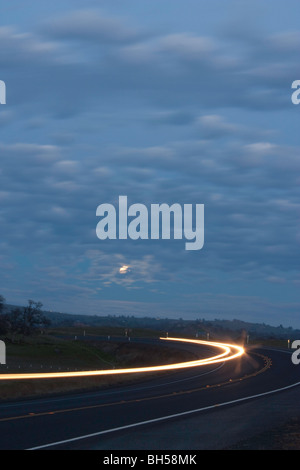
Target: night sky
165,101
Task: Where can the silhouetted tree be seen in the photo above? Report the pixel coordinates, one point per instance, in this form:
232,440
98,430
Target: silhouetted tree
33,318
25,320
3,325
2,302
15,321
3,320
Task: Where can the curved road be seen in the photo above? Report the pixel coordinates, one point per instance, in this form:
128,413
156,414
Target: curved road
94,420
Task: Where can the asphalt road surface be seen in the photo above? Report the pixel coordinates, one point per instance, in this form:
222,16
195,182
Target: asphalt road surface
188,409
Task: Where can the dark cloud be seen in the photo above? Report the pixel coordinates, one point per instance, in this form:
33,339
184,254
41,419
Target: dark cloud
93,26
99,108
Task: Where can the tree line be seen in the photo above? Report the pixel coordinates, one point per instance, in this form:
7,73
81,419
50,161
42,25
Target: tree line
22,320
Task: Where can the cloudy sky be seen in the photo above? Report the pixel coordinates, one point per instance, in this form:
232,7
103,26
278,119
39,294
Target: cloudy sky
165,101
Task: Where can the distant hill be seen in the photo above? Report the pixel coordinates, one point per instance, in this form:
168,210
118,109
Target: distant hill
215,328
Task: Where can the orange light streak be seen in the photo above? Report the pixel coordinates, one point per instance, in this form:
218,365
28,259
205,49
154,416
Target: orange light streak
230,352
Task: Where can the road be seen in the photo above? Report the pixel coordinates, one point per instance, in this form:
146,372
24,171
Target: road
132,416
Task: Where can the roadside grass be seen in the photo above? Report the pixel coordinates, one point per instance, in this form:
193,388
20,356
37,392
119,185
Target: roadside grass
86,348
273,343
49,353
106,331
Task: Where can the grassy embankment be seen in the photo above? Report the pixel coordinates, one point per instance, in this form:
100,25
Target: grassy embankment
58,351
68,349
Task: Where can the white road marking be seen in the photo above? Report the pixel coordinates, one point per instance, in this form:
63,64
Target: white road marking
163,418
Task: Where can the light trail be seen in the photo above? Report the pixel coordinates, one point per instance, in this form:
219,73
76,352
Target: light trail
230,352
